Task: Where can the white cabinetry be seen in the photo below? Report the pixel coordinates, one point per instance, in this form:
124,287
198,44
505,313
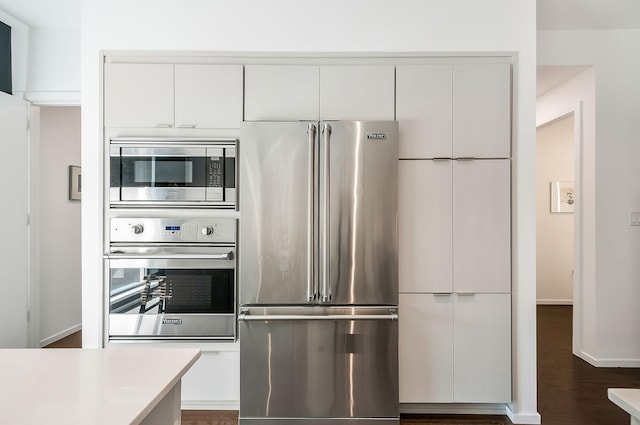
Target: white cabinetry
455,226
299,92
460,348
454,232
213,382
454,111
168,95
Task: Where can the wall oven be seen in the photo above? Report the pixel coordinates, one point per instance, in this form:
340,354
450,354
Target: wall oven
172,172
171,278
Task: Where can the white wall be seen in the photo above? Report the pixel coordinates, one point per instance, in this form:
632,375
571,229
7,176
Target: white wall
610,318
58,224
54,67
554,231
359,26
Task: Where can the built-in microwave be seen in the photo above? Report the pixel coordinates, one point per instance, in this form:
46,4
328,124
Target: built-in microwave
164,172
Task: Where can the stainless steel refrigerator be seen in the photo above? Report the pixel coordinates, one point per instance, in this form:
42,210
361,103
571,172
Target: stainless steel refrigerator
318,274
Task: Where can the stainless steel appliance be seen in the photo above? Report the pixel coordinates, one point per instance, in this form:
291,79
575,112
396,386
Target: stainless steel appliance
171,278
172,172
318,273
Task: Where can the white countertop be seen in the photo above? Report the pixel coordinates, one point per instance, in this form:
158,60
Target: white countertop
76,386
628,399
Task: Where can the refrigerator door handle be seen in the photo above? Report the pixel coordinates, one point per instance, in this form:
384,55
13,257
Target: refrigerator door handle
311,132
324,245
244,317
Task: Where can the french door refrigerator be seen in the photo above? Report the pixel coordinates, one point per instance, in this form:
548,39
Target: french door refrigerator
318,274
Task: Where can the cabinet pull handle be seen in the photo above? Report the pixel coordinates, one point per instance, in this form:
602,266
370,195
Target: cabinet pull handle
465,294
442,159
163,126
187,126
465,158
441,294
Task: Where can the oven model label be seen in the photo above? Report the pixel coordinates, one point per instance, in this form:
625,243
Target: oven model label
377,136
171,321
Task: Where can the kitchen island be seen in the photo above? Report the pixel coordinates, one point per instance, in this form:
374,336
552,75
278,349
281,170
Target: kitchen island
92,386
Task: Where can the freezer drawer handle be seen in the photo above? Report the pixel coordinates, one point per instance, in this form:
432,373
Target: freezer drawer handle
243,317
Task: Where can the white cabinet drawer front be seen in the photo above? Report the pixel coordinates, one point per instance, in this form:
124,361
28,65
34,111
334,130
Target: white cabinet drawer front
482,226
425,254
281,93
426,348
138,95
208,96
482,110
424,110
357,92
482,341
214,378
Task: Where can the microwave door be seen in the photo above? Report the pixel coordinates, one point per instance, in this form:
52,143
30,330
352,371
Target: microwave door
162,174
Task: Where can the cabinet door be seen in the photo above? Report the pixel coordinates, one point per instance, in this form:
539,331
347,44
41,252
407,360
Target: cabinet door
425,348
281,93
214,378
208,96
138,95
423,110
482,348
425,256
482,110
482,226
365,92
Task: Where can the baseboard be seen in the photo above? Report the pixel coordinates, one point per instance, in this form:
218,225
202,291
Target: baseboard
608,362
523,418
554,302
453,408
210,405
60,335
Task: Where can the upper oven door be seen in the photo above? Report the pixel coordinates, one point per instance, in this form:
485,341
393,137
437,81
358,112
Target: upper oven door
163,295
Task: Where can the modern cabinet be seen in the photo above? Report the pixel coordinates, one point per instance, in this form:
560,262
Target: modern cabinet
455,225
173,96
460,348
332,92
460,110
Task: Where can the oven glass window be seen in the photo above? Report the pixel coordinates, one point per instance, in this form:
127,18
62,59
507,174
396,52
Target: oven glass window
158,291
163,171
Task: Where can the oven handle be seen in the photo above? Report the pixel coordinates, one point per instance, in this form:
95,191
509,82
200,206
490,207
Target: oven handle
117,254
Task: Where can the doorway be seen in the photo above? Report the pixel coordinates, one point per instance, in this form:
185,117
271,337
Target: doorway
555,200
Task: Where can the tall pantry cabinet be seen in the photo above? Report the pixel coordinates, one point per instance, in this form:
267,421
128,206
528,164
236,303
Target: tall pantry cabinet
455,232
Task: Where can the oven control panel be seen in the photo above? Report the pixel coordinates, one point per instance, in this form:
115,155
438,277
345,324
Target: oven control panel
173,230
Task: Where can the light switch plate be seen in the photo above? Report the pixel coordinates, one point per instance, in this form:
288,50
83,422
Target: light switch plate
635,218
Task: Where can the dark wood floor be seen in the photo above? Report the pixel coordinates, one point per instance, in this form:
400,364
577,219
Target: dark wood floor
570,391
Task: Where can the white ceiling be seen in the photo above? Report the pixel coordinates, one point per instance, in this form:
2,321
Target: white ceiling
60,14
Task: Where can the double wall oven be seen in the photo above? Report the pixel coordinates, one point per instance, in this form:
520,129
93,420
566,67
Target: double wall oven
170,261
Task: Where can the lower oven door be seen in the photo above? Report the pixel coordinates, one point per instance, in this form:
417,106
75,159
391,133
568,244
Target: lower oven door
171,298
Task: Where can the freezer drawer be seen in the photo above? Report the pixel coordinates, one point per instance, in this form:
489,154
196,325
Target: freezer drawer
330,365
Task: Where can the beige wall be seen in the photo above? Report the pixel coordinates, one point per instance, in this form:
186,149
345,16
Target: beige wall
59,227
554,232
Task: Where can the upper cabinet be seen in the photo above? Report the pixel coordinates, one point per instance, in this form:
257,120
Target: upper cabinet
454,111
300,92
168,96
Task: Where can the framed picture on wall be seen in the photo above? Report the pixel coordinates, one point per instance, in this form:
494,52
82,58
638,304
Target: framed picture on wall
563,197
75,183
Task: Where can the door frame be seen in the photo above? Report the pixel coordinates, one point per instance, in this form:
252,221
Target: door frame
575,109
